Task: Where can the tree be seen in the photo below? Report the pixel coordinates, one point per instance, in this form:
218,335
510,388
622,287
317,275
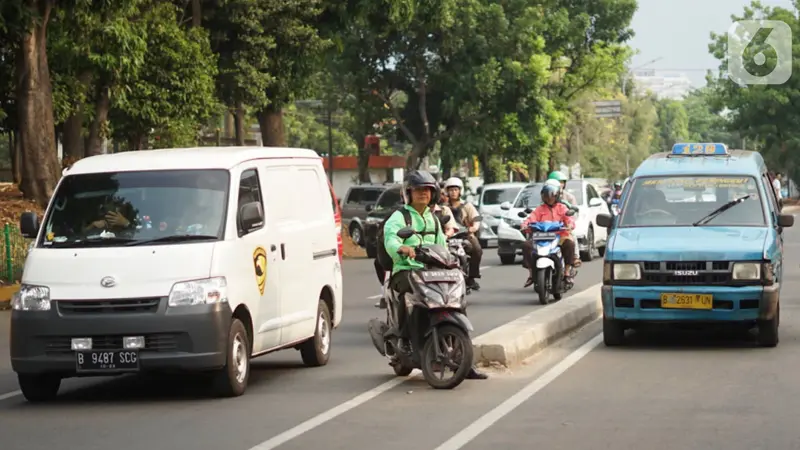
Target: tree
767,116
25,28
673,124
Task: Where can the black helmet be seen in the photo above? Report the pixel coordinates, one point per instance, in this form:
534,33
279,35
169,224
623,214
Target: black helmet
421,178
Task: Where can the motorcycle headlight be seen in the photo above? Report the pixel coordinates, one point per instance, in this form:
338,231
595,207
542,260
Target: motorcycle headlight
747,271
31,298
199,292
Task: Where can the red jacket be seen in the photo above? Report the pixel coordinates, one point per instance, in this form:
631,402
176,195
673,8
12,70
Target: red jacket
546,213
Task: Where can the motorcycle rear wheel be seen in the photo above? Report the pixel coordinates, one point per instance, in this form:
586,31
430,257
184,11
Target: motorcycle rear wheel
462,342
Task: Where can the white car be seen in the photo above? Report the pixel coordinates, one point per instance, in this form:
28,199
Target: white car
491,197
590,236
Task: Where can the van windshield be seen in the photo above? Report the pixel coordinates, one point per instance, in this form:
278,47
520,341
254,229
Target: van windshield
128,208
685,200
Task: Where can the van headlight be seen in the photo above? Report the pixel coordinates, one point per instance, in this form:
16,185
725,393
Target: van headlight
747,271
31,298
199,292
627,272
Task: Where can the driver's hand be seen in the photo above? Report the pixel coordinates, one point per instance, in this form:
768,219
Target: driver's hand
407,251
98,224
114,218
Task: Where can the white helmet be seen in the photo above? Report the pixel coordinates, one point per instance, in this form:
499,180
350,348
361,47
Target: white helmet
553,182
454,182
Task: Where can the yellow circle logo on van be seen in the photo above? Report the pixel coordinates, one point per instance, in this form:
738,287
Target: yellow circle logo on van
260,265
50,236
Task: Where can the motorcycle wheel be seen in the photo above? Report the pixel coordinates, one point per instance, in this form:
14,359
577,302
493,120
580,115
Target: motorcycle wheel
541,285
558,285
457,339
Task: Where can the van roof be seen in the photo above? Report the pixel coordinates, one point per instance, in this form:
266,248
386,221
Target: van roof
740,162
184,158
505,185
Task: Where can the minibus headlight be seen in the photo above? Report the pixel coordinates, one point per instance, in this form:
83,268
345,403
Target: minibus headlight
31,298
747,271
627,272
199,292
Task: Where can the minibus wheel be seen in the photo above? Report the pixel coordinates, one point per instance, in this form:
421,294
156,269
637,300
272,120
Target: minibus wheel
231,380
768,330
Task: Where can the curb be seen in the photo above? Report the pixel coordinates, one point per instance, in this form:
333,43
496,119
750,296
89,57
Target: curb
519,339
5,304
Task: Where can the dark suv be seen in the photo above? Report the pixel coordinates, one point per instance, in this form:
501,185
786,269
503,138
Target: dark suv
391,199
357,202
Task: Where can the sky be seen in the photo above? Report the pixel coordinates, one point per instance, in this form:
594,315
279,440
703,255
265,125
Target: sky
676,33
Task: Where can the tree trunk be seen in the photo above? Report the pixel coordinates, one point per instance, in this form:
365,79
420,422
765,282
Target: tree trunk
363,158
16,157
270,120
238,120
197,13
416,155
489,175
230,125
39,171
447,159
102,104
72,140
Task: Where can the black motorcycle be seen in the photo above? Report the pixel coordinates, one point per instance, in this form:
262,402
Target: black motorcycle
438,326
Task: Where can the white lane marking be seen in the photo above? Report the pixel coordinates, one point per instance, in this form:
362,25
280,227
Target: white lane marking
330,414
375,297
10,395
474,429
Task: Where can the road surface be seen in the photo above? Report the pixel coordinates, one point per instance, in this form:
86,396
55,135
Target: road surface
667,390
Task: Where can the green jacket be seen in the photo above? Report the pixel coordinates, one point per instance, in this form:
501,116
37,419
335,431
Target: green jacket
421,223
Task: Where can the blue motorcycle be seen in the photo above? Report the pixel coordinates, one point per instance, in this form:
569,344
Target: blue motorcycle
548,261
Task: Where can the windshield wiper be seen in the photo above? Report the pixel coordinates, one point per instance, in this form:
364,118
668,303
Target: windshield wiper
175,238
87,242
710,216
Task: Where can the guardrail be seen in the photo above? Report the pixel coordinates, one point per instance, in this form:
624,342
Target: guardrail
12,254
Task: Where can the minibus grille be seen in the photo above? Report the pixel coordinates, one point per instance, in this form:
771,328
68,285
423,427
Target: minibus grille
110,306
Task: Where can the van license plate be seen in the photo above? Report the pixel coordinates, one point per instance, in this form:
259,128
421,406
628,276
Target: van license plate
687,301
107,361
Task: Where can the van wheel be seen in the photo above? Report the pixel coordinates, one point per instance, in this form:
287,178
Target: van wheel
39,388
317,350
613,332
768,330
231,380
601,251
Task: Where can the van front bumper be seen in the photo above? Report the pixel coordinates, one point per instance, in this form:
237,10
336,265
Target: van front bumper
731,304
192,338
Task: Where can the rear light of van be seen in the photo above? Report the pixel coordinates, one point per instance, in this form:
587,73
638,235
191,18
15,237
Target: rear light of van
337,217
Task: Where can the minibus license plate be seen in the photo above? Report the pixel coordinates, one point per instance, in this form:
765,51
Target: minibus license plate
687,301
107,361
440,276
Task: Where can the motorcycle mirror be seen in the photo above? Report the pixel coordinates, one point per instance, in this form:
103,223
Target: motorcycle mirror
571,212
405,232
444,219
477,218
528,210
522,214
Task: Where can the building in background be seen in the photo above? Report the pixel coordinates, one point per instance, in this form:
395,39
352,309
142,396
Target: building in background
662,86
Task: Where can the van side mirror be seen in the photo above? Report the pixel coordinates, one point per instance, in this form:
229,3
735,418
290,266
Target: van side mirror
29,224
251,216
604,220
784,220
505,206
406,232
522,214
369,208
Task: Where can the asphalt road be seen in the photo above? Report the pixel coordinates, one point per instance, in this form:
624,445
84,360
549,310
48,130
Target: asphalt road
667,390
135,412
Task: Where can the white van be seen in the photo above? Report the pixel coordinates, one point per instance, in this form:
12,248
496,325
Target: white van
179,260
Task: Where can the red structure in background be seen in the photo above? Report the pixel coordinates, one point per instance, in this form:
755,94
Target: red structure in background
372,144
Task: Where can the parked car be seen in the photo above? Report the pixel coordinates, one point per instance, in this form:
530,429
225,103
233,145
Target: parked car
590,236
491,197
391,198
356,203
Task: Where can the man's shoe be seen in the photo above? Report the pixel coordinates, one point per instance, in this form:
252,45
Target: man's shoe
474,374
473,285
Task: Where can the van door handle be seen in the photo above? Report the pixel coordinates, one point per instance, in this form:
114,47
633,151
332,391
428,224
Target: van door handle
283,251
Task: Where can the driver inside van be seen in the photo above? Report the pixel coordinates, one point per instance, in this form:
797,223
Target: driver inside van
112,217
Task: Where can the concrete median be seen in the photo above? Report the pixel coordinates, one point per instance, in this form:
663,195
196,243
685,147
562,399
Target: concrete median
517,340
